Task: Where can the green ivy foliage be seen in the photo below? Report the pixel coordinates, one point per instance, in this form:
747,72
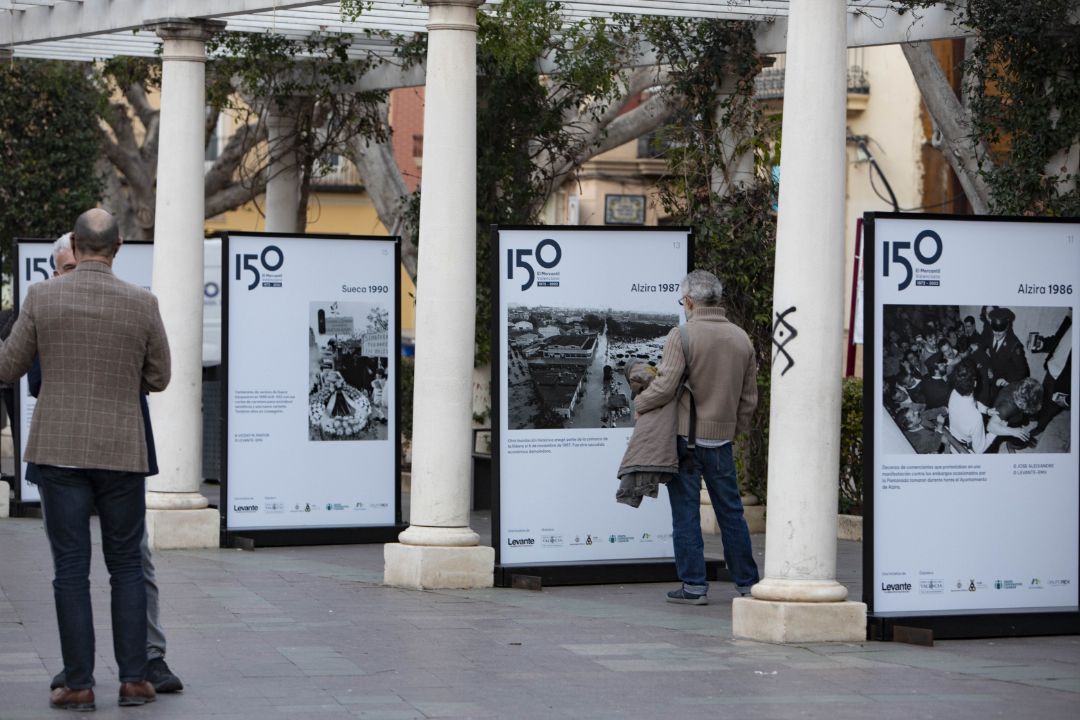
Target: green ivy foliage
521,116
49,143
851,446
734,232
1024,76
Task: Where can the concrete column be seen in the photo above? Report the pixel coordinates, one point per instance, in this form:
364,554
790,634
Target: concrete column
177,513
799,599
439,549
283,183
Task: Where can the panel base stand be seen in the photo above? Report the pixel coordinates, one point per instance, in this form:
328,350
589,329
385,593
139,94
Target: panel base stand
25,509
420,567
183,529
794,622
611,572
952,627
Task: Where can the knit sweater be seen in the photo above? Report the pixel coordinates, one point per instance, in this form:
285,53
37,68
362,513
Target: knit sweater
723,376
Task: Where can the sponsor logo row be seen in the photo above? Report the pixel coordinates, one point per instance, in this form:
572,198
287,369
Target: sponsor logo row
273,505
934,586
552,539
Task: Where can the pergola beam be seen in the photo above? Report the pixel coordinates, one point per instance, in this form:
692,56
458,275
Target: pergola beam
874,26
100,17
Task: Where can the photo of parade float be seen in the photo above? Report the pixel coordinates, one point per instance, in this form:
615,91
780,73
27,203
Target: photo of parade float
566,366
348,350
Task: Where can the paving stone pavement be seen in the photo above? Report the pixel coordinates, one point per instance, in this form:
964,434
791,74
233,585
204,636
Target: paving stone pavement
311,633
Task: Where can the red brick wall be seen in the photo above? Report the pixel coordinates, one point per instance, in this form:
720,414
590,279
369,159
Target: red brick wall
407,123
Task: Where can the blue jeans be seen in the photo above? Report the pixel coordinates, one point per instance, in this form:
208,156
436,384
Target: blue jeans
717,466
70,494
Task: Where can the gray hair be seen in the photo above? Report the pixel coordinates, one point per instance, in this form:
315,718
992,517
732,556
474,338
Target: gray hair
62,243
96,232
704,288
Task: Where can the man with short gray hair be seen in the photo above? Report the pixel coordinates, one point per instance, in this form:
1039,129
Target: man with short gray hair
719,401
101,342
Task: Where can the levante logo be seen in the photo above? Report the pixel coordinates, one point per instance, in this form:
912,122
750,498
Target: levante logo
926,248
896,587
546,255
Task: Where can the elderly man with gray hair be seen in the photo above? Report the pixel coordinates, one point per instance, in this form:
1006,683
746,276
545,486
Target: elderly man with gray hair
717,406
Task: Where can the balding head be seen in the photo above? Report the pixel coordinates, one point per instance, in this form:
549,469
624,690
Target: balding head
96,233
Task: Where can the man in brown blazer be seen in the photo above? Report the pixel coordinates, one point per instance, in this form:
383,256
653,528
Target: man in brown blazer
101,342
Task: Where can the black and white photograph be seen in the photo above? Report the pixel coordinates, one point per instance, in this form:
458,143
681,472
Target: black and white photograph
348,349
567,365
973,379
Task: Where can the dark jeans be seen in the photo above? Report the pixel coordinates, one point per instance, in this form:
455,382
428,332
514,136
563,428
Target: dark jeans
70,494
717,466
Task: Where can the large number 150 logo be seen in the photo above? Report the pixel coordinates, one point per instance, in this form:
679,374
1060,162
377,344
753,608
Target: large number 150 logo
271,259
896,250
520,259
40,265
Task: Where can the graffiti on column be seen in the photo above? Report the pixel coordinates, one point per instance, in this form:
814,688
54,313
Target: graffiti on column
783,333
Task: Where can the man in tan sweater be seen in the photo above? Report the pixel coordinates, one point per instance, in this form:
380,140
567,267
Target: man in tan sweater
723,383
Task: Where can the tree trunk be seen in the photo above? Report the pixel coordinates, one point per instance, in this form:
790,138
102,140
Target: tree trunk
952,121
385,185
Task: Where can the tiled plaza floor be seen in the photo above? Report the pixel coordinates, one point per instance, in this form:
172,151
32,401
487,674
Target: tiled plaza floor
311,633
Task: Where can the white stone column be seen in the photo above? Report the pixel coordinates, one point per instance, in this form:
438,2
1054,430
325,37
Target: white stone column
799,599
177,514
283,182
439,549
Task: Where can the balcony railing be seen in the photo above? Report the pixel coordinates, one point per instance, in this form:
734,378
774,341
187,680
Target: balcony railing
342,174
769,84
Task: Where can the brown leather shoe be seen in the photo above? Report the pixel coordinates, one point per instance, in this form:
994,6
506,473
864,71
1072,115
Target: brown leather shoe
64,698
136,693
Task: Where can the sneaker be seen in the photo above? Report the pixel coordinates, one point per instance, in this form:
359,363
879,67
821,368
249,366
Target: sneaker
687,598
161,677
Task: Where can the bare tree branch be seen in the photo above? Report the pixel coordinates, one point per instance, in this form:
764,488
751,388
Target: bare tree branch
224,168
385,185
234,196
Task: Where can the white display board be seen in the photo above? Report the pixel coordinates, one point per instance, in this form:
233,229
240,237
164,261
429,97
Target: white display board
964,524
133,264
310,350
571,302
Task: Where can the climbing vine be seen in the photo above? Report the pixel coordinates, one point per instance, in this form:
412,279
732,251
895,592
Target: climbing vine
1023,75
733,217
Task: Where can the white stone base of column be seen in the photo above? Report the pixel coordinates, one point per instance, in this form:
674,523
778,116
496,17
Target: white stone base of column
5,499
422,567
183,529
795,622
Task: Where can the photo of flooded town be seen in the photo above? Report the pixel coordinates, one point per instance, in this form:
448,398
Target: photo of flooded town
565,365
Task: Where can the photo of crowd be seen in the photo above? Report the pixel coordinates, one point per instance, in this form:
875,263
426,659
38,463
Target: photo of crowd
978,379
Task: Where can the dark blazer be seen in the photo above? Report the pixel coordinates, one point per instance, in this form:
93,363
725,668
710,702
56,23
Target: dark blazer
1063,383
1009,362
102,343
